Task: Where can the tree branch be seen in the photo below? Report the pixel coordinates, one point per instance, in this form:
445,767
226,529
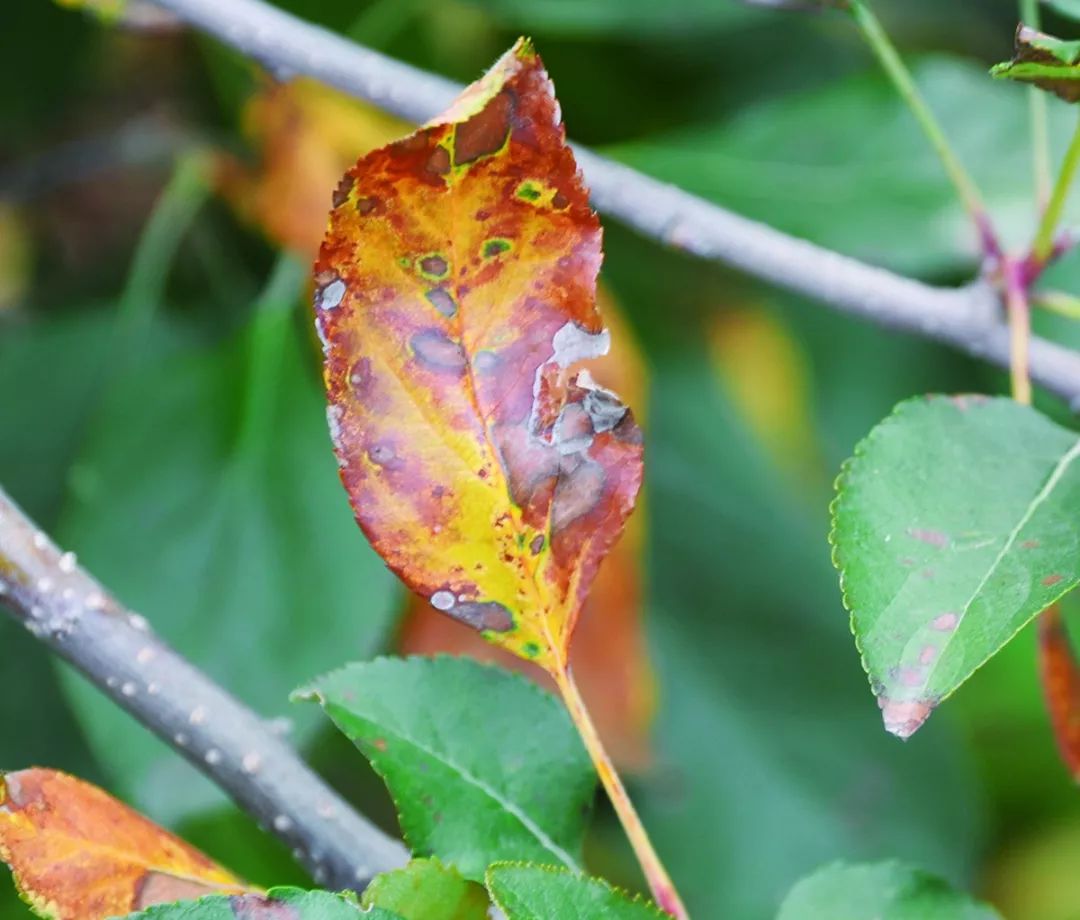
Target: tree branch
969,319
70,612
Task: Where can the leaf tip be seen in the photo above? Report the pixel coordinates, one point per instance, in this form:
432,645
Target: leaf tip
903,718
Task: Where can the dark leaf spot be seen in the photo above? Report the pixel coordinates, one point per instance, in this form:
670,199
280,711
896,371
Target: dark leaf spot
442,300
486,132
485,616
437,350
341,193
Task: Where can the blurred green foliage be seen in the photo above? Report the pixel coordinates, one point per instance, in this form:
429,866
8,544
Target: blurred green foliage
232,536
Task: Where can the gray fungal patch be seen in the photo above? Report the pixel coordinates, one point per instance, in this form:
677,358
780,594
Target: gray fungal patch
442,300
331,295
436,349
382,454
604,407
488,616
443,600
485,362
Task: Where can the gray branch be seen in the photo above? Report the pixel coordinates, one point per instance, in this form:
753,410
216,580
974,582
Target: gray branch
969,318
71,613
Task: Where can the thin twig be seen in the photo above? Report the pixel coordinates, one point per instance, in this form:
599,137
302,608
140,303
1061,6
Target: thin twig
1043,247
968,319
893,65
71,613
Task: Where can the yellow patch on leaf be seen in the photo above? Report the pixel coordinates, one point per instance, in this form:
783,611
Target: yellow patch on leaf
456,299
78,854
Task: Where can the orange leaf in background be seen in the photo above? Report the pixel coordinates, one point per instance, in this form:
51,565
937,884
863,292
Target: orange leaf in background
78,854
456,290
306,135
1061,685
609,656
761,366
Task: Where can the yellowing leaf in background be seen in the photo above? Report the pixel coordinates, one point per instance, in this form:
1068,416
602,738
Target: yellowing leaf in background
306,135
456,291
78,854
766,374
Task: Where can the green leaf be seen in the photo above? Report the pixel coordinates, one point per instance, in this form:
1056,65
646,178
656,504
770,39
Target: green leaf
207,497
618,17
427,890
530,892
956,522
276,904
1048,62
1065,7
845,165
880,891
483,764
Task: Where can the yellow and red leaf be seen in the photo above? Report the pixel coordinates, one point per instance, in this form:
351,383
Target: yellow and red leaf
1060,676
78,854
456,296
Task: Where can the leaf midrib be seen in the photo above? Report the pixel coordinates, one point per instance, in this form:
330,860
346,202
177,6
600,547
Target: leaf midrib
509,807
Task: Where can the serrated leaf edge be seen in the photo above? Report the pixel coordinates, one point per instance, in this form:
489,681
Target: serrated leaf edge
841,481
637,899
311,693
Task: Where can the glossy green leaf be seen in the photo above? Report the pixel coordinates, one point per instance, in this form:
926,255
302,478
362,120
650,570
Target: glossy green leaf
427,890
1065,7
276,904
627,17
845,165
956,522
483,765
880,891
207,498
1047,62
530,892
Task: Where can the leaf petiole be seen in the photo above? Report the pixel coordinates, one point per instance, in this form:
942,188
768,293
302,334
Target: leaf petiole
1043,247
1040,138
894,67
660,884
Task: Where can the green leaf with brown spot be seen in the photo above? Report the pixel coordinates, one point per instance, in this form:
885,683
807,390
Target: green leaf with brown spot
276,904
879,891
955,523
482,764
1045,61
531,892
427,890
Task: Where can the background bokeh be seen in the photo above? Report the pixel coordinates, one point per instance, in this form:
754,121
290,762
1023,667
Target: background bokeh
160,412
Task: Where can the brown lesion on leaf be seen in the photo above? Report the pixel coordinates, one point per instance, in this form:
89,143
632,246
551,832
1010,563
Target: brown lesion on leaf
1050,580
486,616
438,163
344,187
162,888
487,132
433,265
366,205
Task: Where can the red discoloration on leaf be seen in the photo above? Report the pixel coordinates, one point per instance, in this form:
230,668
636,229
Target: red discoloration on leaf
946,622
78,853
1061,686
903,717
1050,580
932,537
462,266
1030,544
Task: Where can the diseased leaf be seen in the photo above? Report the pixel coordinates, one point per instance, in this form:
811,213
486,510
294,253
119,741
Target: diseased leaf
532,892
427,890
1048,62
1060,676
956,522
276,904
78,854
878,891
610,658
482,764
456,291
